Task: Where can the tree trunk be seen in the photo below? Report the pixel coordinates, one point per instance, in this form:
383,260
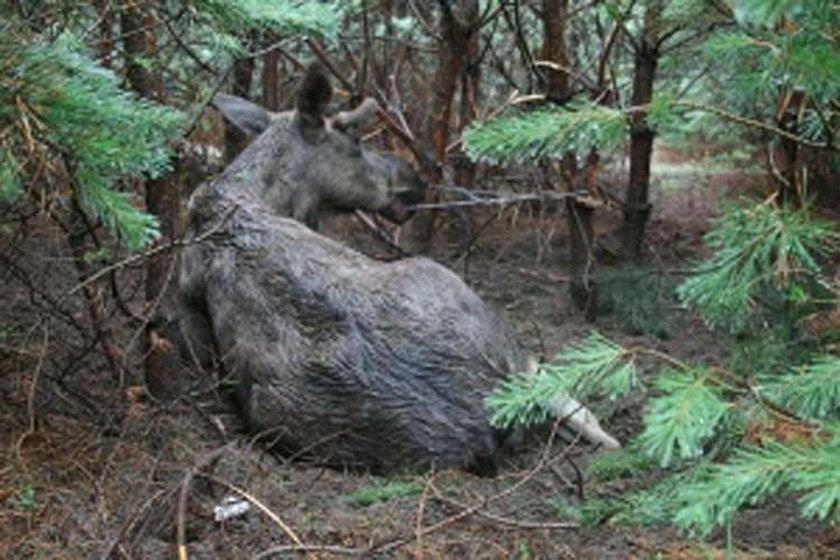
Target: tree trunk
140,44
464,168
271,75
457,25
578,212
454,33
787,154
105,46
581,236
554,49
163,197
637,204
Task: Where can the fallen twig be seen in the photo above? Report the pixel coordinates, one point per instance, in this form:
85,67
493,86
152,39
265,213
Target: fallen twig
545,276
505,520
256,503
421,512
30,400
476,508
284,549
109,549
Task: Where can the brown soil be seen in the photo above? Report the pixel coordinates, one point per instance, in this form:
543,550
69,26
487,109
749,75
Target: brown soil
73,485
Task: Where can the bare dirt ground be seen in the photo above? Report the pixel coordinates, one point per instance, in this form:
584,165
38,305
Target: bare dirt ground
73,485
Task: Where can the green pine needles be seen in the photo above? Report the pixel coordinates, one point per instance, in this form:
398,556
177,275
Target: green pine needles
765,260
756,472
10,186
584,368
546,133
727,439
685,416
225,22
65,117
692,410
811,391
282,16
68,125
769,424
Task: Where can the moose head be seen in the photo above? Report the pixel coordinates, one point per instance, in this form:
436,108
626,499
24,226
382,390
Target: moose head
304,164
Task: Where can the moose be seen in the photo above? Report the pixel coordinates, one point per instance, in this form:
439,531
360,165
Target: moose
356,362
304,165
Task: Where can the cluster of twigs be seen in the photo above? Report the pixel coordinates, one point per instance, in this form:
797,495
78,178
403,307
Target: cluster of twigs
549,458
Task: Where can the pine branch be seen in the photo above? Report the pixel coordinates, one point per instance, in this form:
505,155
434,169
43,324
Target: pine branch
282,16
758,472
753,123
593,365
551,132
759,250
61,106
679,422
10,185
546,133
811,391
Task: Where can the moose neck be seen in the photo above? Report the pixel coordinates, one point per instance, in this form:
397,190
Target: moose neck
260,175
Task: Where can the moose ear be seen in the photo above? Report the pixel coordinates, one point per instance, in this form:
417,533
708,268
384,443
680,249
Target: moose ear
314,94
251,118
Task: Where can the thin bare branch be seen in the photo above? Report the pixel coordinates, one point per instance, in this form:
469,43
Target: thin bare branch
151,252
756,124
186,48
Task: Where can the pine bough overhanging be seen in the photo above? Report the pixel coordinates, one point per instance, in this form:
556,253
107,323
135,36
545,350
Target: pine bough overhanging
282,16
53,94
546,133
225,22
756,472
810,391
58,105
766,270
582,369
757,60
787,422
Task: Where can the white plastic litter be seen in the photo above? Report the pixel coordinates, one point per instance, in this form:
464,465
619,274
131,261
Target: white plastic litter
231,506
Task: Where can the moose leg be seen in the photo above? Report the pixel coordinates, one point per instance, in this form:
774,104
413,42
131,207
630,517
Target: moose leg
197,346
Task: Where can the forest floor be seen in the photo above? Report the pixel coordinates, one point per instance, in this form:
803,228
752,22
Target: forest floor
72,488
